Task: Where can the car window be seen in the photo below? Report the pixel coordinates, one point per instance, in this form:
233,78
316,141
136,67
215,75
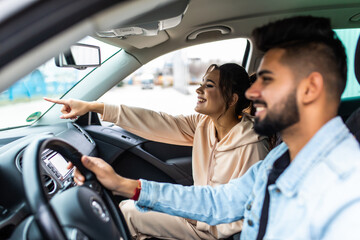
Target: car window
349,38
22,103
168,83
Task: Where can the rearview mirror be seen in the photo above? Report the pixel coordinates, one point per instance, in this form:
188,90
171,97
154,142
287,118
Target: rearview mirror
79,56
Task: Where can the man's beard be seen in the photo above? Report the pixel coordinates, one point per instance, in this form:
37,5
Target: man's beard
280,118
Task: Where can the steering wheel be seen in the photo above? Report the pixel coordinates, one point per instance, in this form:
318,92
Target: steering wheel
80,212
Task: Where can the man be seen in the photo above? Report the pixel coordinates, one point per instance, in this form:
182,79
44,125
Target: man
307,187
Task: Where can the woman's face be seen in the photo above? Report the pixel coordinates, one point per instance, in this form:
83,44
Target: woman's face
210,101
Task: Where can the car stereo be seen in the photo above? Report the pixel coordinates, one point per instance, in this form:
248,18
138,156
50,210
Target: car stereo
57,165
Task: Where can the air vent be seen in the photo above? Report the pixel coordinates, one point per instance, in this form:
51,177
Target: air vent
77,127
49,184
83,133
88,138
19,160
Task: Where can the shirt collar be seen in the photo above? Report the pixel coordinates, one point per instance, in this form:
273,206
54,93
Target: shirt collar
327,138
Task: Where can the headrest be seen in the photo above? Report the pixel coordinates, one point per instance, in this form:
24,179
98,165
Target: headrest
357,61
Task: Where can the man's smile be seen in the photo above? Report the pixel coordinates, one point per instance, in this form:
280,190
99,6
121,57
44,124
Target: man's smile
260,107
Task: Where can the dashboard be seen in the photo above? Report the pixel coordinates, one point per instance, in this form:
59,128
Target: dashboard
56,164
54,172
130,155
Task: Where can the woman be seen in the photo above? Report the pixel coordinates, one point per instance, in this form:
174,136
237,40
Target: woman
224,145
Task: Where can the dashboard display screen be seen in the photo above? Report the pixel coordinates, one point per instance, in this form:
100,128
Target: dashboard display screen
60,164
56,164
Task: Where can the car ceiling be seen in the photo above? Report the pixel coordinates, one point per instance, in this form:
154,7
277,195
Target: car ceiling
240,16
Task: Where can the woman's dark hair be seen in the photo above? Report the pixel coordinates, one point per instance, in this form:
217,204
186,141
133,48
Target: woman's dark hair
233,79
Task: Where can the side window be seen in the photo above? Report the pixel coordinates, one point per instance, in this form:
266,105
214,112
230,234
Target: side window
168,83
349,38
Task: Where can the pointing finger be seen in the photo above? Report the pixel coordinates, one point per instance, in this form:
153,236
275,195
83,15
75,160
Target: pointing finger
57,101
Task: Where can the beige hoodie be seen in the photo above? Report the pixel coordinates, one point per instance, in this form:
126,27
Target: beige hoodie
213,162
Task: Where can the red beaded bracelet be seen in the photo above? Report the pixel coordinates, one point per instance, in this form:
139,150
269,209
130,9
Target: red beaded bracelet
137,191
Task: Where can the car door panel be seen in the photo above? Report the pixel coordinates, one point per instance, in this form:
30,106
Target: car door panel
135,157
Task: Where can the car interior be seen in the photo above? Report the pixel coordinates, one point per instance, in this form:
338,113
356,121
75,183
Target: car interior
39,199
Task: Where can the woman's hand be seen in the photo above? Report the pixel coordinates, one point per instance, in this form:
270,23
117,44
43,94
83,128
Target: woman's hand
106,176
72,108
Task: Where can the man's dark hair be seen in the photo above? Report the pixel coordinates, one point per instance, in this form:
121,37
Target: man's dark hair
311,45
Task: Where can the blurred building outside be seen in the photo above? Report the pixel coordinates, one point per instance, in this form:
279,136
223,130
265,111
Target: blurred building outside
185,67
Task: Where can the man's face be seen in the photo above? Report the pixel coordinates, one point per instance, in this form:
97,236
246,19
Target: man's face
274,95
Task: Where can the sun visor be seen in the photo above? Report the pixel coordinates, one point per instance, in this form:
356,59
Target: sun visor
150,24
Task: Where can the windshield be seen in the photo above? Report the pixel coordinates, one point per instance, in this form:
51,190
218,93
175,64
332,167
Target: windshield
22,103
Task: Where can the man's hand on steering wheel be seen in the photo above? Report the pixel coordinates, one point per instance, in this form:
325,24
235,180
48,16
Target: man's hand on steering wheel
106,176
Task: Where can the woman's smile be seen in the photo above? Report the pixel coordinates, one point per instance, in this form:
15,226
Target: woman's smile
201,100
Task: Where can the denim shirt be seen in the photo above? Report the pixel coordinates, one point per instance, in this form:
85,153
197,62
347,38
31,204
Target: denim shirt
316,197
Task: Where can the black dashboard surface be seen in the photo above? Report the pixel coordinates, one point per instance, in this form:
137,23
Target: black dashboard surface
129,154
13,142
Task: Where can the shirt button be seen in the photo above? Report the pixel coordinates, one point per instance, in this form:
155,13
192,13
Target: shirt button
277,190
248,207
250,222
